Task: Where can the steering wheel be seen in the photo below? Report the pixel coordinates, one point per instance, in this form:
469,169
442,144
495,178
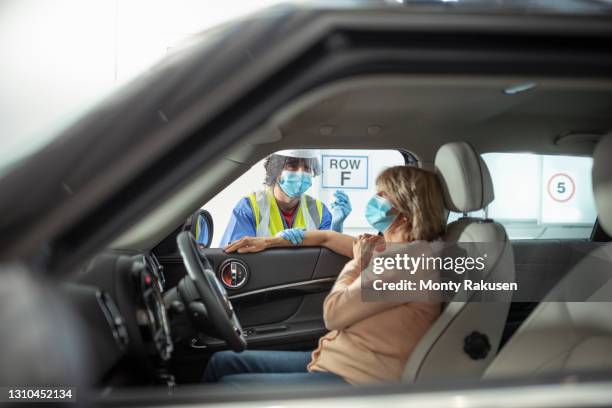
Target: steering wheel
212,293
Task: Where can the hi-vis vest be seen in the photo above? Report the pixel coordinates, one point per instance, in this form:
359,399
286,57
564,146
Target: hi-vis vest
268,221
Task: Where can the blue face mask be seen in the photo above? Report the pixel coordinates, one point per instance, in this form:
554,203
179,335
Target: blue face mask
377,213
295,183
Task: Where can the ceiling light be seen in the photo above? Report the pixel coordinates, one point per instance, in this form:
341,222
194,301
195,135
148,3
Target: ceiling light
514,89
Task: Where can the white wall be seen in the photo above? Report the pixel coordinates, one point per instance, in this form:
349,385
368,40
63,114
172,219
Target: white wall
59,57
53,62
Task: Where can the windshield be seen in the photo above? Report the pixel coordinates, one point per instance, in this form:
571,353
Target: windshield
82,51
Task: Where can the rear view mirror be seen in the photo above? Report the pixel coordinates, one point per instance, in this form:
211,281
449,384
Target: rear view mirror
201,226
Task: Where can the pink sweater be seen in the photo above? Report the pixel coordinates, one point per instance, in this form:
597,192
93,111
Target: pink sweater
368,342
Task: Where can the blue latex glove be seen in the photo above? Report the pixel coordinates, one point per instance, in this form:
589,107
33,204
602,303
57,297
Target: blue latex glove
293,235
340,209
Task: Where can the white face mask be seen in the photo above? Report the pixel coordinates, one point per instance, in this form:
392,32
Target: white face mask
377,213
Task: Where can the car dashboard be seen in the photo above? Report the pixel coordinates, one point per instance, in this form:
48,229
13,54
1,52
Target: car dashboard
119,297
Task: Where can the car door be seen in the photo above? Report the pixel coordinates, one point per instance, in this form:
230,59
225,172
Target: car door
279,303
279,294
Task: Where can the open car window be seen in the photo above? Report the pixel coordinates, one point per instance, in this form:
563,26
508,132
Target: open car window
350,170
541,196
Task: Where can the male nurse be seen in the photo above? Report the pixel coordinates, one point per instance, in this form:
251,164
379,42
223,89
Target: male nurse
283,207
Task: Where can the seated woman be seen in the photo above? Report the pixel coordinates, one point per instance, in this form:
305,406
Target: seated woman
368,342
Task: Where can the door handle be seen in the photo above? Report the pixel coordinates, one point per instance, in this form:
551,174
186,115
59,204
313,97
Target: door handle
268,329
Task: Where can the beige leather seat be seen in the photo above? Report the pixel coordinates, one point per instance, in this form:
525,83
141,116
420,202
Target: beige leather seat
466,337
564,334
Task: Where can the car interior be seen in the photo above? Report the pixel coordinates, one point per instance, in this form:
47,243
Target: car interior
154,310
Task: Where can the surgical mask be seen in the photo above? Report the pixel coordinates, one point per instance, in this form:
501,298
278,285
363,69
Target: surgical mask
294,183
377,213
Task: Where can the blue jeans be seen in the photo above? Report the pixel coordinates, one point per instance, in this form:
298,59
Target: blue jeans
253,367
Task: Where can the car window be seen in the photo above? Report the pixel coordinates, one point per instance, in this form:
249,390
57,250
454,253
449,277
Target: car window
352,171
541,196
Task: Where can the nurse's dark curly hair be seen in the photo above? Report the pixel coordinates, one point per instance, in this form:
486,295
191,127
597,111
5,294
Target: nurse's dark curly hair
274,165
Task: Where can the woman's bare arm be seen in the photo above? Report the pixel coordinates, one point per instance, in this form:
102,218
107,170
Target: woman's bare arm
339,243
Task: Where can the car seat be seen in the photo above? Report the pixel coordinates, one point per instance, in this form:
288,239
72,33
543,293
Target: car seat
465,338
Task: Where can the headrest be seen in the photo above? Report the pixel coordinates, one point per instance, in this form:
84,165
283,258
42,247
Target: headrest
602,182
465,178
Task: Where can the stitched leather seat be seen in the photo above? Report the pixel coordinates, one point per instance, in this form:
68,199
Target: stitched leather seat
465,338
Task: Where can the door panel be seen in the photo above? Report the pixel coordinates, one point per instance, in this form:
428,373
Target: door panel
280,305
270,268
254,313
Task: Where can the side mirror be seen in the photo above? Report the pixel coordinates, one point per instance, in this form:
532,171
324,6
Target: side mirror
201,226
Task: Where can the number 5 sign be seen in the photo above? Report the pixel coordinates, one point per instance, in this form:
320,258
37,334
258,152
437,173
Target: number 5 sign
561,187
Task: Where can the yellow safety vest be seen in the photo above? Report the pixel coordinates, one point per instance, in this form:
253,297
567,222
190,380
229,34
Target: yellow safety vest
268,221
